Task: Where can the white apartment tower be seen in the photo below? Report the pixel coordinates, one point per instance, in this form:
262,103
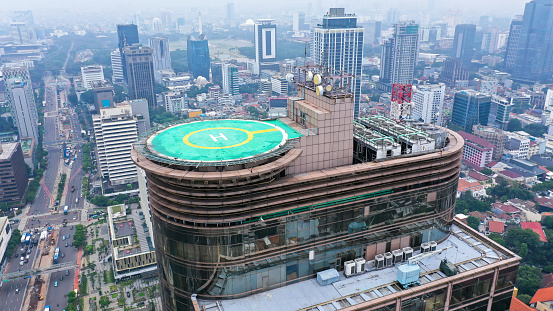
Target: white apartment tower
338,44
117,67
428,103
116,129
230,80
92,73
22,101
265,44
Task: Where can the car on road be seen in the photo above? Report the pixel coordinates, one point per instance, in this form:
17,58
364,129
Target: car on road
68,236
64,237
17,290
61,278
71,227
56,284
22,258
66,244
62,255
128,295
66,272
21,263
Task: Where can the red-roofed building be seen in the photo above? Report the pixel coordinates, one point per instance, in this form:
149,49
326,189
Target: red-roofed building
479,215
536,227
478,176
543,295
495,227
517,305
491,164
477,151
511,175
504,217
475,187
505,208
545,203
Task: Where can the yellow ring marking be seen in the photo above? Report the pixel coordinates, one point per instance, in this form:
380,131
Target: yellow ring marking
250,137
264,131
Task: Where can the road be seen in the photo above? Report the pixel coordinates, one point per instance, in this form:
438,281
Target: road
55,296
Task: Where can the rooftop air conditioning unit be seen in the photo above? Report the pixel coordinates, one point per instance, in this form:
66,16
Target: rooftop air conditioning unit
360,265
433,245
389,259
407,253
425,247
379,261
349,268
398,256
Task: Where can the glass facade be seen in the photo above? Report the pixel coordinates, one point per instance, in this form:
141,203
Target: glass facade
470,108
199,61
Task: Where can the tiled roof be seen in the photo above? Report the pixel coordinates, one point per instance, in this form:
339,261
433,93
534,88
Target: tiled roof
478,215
478,176
517,305
465,185
491,164
546,202
536,227
510,174
542,295
506,208
475,139
496,226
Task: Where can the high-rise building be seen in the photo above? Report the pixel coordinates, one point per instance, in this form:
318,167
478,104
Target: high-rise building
175,101
392,16
91,73
250,213
230,12
157,25
230,80
490,40
463,43
116,129
470,108
298,21
477,151
117,67
372,31
21,98
495,136
103,94
13,173
500,108
534,57
161,56
453,71
166,20
512,42
428,103
337,44
265,44
140,73
399,56
24,17
22,33
127,35
199,61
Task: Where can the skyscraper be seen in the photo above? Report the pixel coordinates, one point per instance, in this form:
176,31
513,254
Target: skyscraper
500,108
166,20
127,35
161,56
512,42
338,44
22,33
298,21
463,43
399,56
534,58
470,108
490,40
265,44
140,73
22,101
230,80
428,103
117,67
197,51
230,12
92,73
13,173
453,71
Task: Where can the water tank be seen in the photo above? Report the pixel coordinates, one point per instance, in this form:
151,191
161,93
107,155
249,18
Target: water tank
433,245
328,277
425,247
349,268
379,261
398,256
408,275
389,259
360,265
407,253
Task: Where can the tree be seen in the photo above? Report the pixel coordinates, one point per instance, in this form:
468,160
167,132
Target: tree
473,222
528,280
159,88
79,238
524,298
516,236
548,222
523,252
544,186
497,238
535,129
487,172
88,97
104,301
514,125
179,61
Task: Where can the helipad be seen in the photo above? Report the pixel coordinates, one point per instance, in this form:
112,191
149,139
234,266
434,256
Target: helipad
220,140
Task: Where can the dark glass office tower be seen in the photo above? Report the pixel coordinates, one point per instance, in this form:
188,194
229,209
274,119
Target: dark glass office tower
463,42
534,59
140,72
512,42
198,56
127,35
470,108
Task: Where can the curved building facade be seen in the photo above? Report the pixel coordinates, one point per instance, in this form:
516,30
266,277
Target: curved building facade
239,207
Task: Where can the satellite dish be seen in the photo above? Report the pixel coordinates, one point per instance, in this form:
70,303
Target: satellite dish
317,79
290,78
329,88
309,76
320,90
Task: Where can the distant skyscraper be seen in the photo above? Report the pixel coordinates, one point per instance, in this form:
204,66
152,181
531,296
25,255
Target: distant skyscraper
140,73
512,42
23,33
22,101
490,40
453,71
265,43
24,17
198,56
127,35
161,55
338,44
484,22
117,67
399,56
298,22
371,31
392,16
91,73
166,20
428,103
470,108
157,25
500,108
463,42
230,12
534,58
230,80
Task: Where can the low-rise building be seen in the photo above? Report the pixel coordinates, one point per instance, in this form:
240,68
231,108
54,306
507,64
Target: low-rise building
536,227
477,151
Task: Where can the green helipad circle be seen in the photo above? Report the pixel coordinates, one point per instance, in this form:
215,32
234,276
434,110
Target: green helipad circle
217,140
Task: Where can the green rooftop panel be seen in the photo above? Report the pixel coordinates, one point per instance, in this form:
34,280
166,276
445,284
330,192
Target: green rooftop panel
220,140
